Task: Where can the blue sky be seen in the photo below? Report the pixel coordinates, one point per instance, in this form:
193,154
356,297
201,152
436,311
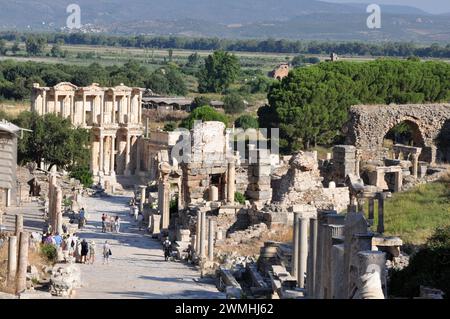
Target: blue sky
432,6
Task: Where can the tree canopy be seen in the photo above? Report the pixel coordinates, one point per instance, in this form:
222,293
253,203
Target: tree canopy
219,71
311,105
204,113
53,140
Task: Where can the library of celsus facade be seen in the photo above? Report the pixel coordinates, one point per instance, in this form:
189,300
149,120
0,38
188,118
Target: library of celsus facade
112,114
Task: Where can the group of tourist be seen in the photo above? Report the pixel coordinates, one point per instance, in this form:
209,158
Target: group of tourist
110,223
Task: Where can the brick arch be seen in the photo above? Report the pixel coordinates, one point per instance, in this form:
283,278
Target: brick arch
368,125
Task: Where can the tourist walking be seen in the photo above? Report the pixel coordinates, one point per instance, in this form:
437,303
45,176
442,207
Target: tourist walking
84,251
81,218
91,252
167,248
117,224
135,212
140,220
106,252
104,216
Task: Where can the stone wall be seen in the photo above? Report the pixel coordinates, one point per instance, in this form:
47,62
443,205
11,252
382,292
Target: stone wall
369,124
302,184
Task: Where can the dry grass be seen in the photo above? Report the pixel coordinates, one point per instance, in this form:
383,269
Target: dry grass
13,109
35,258
252,247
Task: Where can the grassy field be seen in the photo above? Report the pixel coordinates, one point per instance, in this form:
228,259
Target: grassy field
414,215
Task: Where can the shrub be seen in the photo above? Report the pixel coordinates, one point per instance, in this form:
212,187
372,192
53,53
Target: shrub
233,103
83,174
239,197
428,267
49,252
246,122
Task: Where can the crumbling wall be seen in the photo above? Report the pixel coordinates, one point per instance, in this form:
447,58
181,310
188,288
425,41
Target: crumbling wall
302,184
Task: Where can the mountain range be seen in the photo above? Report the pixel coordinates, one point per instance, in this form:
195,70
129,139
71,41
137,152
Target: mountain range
291,19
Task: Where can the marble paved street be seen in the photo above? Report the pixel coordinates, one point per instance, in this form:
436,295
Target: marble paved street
137,268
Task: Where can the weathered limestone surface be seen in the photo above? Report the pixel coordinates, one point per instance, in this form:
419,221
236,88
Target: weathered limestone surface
302,184
369,124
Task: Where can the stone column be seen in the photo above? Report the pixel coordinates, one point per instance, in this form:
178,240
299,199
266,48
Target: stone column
142,202
166,205
127,154
113,155
12,258
380,226
302,263
311,282
58,211
398,181
138,156
231,182
19,224
415,164
361,203
102,110
199,230
371,210
373,261
203,235
295,242
357,162
101,155
213,193
21,277
211,224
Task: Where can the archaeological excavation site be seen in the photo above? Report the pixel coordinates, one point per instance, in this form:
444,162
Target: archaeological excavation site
214,212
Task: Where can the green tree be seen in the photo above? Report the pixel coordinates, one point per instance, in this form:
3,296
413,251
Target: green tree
2,47
220,70
233,104
204,113
170,126
246,121
200,100
428,267
56,50
53,140
311,105
15,48
158,83
35,45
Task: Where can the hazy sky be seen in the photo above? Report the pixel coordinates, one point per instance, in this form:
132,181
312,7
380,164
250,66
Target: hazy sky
432,6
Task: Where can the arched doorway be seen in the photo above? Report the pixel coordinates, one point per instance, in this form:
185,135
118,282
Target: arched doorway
443,143
406,132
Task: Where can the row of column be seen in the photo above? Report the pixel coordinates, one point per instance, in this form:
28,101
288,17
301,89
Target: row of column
103,151
18,256
332,270
205,227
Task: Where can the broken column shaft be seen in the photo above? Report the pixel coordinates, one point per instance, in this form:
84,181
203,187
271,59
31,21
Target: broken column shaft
211,224
12,258
21,277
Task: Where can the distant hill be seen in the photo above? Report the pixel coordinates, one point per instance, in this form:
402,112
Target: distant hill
295,19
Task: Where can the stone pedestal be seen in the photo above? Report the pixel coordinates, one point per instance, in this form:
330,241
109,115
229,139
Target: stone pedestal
213,194
156,222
